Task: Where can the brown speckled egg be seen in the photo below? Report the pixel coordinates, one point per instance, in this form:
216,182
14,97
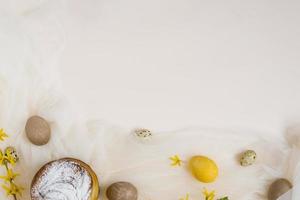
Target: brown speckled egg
38,130
278,188
248,158
122,191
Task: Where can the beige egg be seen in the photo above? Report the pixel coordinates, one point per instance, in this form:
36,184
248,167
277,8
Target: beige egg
38,130
278,188
122,191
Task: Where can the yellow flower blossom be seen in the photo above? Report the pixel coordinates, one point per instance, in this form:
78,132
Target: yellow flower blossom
2,134
208,195
9,156
2,158
8,190
13,189
176,161
19,190
187,197
10,176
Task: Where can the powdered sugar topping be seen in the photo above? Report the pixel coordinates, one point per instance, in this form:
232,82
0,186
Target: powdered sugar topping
63,180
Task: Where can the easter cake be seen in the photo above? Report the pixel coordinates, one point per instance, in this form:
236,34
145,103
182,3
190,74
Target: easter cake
65,178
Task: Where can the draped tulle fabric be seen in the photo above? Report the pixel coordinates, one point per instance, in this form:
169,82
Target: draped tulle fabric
30,84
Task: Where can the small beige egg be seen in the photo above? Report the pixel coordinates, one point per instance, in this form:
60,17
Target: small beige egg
38,130
122,191
278,188
248,158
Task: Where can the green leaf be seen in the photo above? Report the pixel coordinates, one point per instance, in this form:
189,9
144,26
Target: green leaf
224,198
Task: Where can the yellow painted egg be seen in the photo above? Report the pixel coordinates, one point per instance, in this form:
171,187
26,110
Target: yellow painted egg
204,169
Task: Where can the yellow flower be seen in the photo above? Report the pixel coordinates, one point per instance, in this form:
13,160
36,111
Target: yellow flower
2,158
208,195
176,161
187,197
13,189
18,189
10,176
8,190
2,134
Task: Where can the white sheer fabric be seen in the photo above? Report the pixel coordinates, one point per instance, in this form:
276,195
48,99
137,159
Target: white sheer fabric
31,41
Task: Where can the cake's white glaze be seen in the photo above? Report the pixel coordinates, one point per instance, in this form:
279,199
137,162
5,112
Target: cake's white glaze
63,180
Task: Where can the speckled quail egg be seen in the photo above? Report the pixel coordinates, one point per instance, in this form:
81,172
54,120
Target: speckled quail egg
143,133
248,158
122,191
278,188
11,153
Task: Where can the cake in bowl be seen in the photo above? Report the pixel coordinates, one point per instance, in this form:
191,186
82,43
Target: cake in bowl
65,179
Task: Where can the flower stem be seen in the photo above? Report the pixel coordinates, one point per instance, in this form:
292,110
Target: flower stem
11,181
6,166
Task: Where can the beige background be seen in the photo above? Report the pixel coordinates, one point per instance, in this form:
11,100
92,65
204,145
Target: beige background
168,64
